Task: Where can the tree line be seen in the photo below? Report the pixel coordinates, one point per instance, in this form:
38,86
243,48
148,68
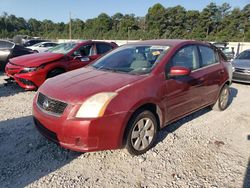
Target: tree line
213,23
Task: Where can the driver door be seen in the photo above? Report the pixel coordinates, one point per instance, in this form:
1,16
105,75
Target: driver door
184,93
81,57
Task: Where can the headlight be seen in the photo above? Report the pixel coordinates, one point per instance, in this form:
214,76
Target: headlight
31,69
95,106
233,69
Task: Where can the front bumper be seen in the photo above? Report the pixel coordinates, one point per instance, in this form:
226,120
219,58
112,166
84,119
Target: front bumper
81,134
28,81
241,77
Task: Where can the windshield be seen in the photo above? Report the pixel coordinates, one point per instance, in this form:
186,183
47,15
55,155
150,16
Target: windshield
62,48
244,55
132,59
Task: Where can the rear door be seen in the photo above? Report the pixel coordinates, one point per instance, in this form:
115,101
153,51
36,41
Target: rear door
184,94
213,73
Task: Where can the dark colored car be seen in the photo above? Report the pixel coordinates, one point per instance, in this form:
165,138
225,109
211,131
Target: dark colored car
32,42
31,71
9,50
241,67
126,96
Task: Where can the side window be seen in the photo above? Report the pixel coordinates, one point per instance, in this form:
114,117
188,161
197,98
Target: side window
186,57
47,45
83,51
102,48
208,56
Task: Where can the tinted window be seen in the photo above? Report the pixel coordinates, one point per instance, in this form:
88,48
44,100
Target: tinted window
244,55
186,57
48,44
208,56
103,48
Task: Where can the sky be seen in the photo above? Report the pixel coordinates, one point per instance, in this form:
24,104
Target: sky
58,10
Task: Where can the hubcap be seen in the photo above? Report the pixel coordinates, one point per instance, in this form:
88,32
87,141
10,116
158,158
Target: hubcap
142,134
224,98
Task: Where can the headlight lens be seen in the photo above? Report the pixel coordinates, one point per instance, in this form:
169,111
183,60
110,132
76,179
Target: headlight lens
95,106
31,69
26,70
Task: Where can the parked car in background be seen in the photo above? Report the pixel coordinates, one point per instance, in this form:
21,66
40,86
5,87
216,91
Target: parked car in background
42,46
241,67
126,96
31,71
9,50
32,42
223,46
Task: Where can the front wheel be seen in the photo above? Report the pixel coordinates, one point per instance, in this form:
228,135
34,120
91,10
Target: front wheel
222,101
142,133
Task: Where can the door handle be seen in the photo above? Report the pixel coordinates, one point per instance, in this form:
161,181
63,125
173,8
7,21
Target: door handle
221,72
201,80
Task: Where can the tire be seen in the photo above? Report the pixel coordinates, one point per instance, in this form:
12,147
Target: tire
55,72
222,101
2,66
142,132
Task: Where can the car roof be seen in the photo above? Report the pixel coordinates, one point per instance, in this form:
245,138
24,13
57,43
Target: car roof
164,42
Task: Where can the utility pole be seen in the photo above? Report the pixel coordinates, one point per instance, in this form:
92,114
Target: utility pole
70,32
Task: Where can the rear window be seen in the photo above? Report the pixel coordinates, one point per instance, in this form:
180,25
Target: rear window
6,44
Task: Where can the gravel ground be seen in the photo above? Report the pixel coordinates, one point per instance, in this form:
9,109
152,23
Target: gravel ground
205,149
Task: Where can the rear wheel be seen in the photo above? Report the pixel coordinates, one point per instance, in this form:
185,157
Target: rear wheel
222,101
55,72
142,132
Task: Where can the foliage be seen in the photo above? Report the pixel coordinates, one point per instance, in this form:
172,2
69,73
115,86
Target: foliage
213,23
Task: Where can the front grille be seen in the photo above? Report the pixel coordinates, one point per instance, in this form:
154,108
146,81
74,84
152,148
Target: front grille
49,105
26,82
244,71
45,132
242,77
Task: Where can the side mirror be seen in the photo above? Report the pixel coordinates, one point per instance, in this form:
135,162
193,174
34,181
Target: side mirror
177,71
83,59
76,54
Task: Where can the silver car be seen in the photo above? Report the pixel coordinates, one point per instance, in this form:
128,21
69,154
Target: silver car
241,67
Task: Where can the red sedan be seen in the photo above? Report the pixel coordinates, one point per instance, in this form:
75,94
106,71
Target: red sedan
129,94
31,71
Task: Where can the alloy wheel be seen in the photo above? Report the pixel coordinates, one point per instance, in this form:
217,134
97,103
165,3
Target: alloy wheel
142,134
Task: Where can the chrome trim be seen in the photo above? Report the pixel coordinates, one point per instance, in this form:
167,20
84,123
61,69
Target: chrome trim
205,67
48,112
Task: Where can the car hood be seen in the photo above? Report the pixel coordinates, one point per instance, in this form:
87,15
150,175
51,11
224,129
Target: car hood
35,60
241,63
75,86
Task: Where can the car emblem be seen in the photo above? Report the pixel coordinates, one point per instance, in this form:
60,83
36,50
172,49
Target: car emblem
45,104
